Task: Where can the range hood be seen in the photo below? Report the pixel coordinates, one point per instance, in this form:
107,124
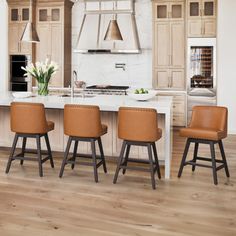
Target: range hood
96,17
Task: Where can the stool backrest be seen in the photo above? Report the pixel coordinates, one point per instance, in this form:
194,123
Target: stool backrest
138,124
82,121
211,117
28,118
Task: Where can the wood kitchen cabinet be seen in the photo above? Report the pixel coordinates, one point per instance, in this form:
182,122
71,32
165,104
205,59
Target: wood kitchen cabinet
54,29
168,10
179,107
19,13
201,18
169,78
15,32
169,45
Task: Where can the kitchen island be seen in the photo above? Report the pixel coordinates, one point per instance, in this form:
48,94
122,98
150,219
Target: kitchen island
109,106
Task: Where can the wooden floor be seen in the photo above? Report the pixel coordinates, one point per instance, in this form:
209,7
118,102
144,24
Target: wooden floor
76,205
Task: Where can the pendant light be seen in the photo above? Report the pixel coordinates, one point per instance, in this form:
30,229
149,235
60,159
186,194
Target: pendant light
30,34
113,30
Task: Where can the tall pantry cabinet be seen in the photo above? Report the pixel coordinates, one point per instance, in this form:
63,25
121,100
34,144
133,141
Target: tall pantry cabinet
53,24
169,45
19,13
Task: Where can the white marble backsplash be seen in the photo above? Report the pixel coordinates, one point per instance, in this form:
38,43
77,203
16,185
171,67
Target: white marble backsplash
100,68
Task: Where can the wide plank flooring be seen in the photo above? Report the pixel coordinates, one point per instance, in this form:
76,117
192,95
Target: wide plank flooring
76,205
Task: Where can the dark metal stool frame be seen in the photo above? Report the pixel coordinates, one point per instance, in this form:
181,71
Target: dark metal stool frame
212,159
21,155
124,159
94,157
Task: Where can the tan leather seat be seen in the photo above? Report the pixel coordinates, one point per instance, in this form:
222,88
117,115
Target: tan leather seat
139,127
29,118
207,122
83,121
208,125
138,124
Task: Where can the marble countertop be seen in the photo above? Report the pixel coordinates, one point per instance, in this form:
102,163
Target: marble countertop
105,102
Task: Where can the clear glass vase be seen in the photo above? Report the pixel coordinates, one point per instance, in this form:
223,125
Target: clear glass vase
43,89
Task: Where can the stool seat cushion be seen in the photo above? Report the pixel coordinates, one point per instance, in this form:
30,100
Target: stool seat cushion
50,125
203,133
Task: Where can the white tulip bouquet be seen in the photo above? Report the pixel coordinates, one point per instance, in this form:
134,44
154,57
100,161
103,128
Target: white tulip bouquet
42,72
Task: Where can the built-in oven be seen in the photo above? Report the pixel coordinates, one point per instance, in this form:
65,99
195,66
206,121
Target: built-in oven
17,78
201,72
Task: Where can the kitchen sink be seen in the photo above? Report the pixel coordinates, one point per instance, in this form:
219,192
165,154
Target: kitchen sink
78,95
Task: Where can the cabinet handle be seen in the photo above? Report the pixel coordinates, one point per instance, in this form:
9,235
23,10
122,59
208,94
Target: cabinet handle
201,14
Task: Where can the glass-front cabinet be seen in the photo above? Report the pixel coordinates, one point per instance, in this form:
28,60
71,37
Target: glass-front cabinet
165,11
49,14
19,14
201,8
201,16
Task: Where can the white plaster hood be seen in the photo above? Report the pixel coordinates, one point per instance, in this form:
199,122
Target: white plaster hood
97,14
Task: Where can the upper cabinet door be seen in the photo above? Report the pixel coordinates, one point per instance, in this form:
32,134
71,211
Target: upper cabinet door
55,15
208,8
25,14
43,15
14,14
177,44
176,11
161,11
194,9
162,42
49,14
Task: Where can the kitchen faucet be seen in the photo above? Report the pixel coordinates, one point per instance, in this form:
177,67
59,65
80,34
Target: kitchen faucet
72,83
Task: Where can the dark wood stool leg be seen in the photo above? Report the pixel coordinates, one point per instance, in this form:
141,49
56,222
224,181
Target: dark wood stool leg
213,162
184,157
74,153
39,155
156,160
49,149
65,157
151,166
23,149
102,155
12,153
126,158
195,155
119,161
224,158
94,160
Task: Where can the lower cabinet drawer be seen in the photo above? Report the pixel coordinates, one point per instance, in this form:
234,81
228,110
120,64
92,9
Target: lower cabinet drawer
179,120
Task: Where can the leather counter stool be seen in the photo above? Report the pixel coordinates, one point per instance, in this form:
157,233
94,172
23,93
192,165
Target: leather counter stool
209,126
83,123
28,120
138,126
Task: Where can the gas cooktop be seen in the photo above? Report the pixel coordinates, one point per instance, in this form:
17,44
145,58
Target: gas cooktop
107,89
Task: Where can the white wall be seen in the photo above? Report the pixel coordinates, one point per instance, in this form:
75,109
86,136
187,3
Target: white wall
226,55
100,68
3,46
